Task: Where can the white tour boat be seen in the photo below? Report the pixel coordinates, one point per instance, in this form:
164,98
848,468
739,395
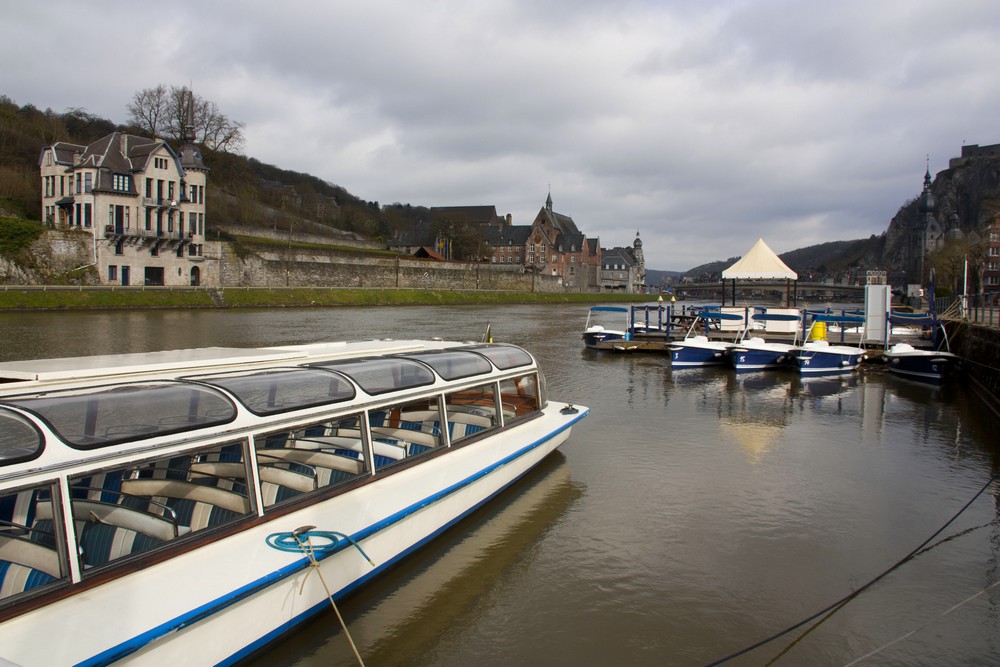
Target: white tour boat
171,507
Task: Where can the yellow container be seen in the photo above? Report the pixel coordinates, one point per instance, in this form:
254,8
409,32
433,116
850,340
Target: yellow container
818,331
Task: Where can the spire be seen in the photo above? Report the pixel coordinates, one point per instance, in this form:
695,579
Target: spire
189,134
548,201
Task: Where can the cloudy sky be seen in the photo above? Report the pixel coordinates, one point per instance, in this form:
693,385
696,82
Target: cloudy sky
701,125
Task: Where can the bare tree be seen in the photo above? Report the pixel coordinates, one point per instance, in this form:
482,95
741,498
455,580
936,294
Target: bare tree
173,113
148,109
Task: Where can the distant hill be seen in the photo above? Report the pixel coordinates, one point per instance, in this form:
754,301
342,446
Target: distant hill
819,260
655,278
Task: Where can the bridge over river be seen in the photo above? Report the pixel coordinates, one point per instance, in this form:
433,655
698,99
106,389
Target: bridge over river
776,289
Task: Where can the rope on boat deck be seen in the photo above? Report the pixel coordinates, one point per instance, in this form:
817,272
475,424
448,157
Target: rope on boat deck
294,541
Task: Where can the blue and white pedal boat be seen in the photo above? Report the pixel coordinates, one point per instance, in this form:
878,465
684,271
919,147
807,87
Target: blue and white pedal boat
754,353
597,332
160,508
697,350
820,357
757,354
911,362
924,364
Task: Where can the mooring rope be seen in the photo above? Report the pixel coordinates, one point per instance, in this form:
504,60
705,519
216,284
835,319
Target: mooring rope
847,598
300,539
916,630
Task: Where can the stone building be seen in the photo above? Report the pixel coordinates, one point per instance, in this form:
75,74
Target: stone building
623,269
142,201
556,247
991,256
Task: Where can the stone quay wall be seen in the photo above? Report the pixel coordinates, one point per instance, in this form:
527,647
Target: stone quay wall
979,347
299,268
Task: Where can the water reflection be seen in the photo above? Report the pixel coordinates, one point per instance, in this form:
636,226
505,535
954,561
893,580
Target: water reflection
408,610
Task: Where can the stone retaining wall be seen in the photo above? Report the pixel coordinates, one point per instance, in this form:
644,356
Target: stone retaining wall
979,346
280,268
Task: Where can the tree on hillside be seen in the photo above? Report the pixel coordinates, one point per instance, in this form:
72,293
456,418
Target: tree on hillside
955,262
159,112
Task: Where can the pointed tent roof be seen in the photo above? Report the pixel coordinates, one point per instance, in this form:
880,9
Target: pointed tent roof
759,262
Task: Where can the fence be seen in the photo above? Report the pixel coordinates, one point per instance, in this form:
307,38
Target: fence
981,308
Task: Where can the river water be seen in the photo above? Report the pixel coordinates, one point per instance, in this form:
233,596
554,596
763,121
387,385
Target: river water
692,515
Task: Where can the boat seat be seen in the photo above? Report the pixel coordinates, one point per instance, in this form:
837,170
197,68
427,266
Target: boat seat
196,505
30,554
101,542
25,565
406,436
151,525
18,508
276,484
102,486
16,578
330,468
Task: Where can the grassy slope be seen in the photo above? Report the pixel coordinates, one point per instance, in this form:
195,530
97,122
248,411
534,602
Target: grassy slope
73,299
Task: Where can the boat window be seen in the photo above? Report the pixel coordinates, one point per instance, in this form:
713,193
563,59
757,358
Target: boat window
125,511
404,430
453,364
471,411
270,392
19,439
378,375
307,458
502,355
105,416
519,396
29,544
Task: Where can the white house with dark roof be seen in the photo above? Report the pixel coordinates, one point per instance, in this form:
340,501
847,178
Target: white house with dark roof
142,201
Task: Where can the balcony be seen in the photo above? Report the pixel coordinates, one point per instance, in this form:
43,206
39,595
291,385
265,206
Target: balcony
113,231
160,202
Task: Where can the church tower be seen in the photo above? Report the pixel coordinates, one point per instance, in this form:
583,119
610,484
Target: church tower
931,235
640,264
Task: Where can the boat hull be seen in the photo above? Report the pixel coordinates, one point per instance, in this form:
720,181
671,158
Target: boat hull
762,356
923,365
222,606
814,359
696,353
593,337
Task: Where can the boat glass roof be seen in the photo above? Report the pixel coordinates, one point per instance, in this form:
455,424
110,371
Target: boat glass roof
19,439
502,355
280,390
378,375
103,416
453,364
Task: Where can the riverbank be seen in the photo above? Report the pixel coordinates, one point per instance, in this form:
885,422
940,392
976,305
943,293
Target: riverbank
20,298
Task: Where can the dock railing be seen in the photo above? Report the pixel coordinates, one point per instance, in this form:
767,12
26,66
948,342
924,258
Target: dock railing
982,308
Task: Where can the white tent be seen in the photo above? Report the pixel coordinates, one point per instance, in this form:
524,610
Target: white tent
759,263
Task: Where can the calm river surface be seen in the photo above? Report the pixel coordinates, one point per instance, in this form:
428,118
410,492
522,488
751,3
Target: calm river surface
693,514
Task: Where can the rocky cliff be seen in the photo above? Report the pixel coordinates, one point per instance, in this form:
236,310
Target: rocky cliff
965,197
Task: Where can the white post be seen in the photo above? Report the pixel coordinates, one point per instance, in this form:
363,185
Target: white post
965,286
